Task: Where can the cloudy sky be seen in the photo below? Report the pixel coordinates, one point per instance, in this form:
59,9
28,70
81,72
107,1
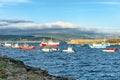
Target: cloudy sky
102,14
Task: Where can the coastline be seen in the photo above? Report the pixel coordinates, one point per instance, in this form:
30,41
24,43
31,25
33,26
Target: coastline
11,69
90,41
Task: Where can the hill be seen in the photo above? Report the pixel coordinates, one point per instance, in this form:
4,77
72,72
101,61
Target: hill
57,33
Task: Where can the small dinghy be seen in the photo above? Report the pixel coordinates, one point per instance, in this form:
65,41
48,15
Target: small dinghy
69,50
49,49
46,50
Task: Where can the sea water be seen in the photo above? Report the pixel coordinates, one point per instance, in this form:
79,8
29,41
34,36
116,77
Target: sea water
84,64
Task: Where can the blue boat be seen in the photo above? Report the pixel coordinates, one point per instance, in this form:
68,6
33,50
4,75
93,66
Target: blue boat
104,44
95,45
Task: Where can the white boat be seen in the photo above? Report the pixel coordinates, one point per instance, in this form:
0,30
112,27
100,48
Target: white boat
6,44
16,45
69,50
49,49
54,49
110,50
104,44
46,49
49,43
95,45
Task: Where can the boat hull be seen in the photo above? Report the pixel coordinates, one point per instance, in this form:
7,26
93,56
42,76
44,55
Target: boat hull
26,48
50,44
15,46
97,46
69,50
49,49
110,50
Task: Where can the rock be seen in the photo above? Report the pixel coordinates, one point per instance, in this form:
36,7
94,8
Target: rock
10,78
17,70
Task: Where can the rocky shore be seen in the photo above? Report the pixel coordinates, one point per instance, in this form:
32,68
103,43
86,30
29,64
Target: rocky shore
11,69
90,41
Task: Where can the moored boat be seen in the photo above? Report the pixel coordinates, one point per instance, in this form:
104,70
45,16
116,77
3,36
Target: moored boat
54,49
110,50
47,49
16,45
26,47
6,44
95,45
104,44
50,43
69,50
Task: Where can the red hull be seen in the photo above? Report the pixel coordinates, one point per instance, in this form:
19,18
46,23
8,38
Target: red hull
26,47
50,44
115,49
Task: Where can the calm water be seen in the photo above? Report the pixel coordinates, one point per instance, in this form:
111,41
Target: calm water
84,64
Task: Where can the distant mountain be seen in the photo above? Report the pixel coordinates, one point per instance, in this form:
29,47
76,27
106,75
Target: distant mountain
59,33
59,30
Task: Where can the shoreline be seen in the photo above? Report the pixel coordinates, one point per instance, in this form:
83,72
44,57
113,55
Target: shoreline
11,69
90,41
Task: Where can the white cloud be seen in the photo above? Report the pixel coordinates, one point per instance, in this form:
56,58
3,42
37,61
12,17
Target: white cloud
53,25
40,26
59,24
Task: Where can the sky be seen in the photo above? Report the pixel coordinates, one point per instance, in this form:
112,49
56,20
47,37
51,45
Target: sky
101,14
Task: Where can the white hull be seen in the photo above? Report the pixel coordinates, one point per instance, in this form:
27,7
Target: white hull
7,44
94,45
49,49
108,50
69,50
15,46
50,44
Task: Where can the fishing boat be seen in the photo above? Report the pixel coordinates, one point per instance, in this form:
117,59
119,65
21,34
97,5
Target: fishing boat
104,44
69,50
110,50
96,45
50,43
26,47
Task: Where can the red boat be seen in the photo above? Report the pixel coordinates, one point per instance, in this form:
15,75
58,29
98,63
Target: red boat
50,43
110,50
26,47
